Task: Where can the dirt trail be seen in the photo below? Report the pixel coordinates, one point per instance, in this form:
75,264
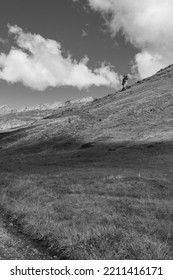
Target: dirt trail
15,246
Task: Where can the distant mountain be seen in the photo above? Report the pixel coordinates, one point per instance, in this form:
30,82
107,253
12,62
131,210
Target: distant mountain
4,109
82,100
11,119
42,107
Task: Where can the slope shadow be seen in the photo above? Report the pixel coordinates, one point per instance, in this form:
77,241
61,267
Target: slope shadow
68,152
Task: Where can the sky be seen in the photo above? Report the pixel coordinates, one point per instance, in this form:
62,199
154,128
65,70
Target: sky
69,49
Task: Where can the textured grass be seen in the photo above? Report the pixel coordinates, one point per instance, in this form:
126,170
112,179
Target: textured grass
85,214
100,185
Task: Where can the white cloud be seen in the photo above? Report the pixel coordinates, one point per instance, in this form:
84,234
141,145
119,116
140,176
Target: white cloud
39,63
147,64
147,24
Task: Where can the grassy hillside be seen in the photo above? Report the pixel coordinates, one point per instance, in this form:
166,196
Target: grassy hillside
94,181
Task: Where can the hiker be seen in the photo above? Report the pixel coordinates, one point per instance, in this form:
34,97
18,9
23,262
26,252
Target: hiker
124,82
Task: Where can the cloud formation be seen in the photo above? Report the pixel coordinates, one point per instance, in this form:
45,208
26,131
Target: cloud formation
148,25
40,63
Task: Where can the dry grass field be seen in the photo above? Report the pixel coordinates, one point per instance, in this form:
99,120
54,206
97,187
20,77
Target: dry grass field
92,213
96,182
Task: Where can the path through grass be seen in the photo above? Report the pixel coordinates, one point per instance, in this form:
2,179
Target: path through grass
84,214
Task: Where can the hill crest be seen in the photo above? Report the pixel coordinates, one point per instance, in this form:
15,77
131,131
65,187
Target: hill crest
143,112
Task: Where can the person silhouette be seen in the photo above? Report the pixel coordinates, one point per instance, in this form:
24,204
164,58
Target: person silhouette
124,82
